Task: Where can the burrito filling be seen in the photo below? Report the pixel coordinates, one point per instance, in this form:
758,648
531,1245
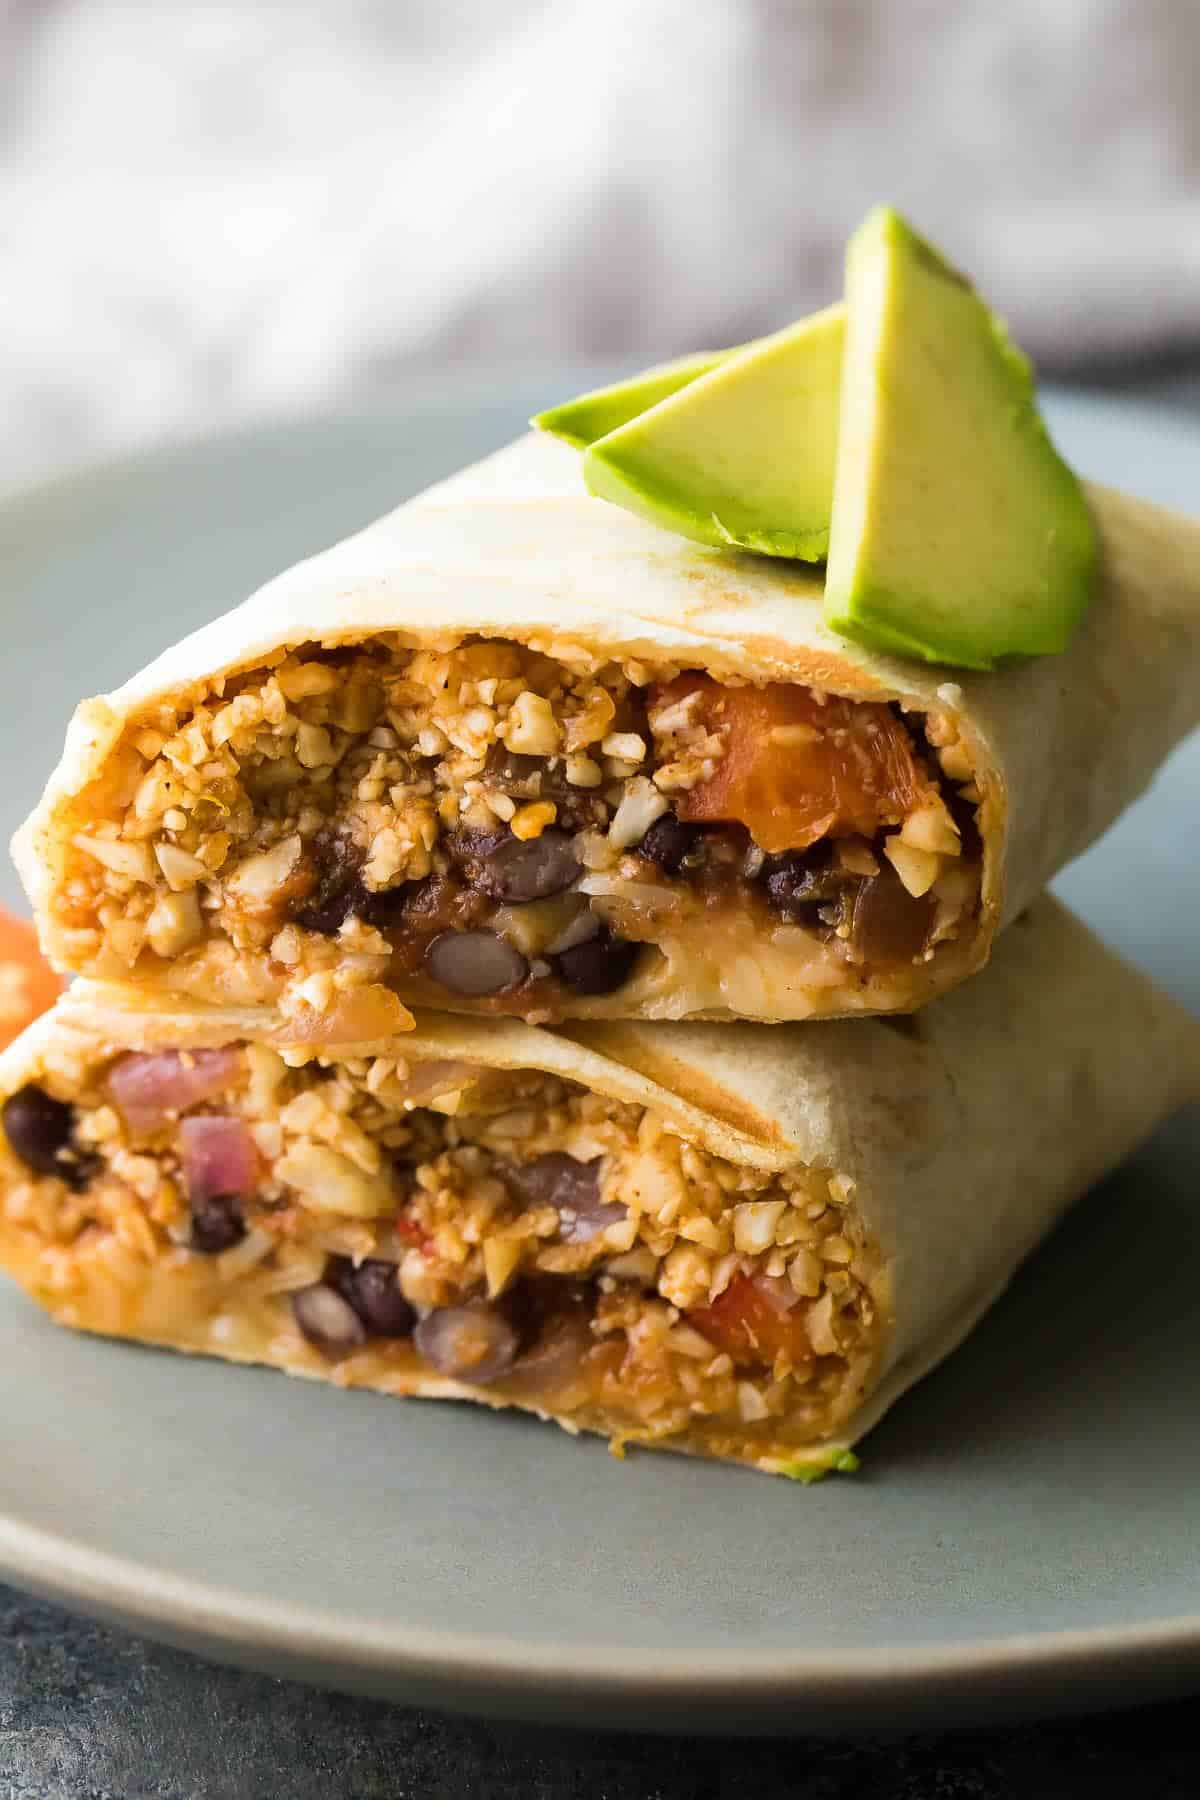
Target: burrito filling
486,828
390,1224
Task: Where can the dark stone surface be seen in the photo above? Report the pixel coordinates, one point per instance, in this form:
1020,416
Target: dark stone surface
88,1713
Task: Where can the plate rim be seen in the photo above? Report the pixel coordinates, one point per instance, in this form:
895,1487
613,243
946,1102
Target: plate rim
217,1619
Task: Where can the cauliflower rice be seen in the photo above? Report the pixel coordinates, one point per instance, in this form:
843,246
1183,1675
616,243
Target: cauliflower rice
480,826
399,1224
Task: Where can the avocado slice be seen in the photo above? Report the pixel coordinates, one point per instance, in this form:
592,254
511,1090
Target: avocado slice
959,535
836,1460
743,456
590,416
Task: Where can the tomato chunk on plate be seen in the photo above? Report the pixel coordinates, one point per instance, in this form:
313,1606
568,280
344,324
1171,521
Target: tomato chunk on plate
28,985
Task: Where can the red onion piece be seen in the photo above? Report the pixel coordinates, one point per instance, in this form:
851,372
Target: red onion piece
572,1186
428,1080
581,1225
149,1088
219,1157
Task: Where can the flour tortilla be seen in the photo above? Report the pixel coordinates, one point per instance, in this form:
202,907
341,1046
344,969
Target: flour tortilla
515,547
967,1132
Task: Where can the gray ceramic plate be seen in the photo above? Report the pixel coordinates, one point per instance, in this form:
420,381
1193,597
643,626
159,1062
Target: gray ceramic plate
1023,1534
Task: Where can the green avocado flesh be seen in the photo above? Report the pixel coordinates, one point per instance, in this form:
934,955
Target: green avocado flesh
834,1461
580,422
958,534
741,457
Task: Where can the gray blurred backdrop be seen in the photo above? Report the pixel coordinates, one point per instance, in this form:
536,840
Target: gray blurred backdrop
213,210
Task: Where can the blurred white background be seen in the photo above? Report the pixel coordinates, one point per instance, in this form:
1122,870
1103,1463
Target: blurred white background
218,209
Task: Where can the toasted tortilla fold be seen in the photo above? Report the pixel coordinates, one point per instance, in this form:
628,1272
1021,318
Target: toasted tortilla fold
966,1134
514,547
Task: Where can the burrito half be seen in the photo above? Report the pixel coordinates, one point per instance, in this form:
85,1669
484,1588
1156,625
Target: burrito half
740,1242
512,750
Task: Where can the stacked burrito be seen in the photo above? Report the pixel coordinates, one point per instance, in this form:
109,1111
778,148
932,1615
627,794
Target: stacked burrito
526,957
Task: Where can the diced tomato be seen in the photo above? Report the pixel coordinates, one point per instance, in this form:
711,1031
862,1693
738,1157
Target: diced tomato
28,985
148,1086
409,1232
796,769
753,1324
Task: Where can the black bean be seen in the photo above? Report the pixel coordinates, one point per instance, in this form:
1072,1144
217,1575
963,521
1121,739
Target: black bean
341,894
536,1302
38,1127
327,1320
556,1357
667,842
327,913
468,1343
542,778
529,870
600,966
470,848
513,773
373,1290
386,908
554,1179
431,902
515,869
799,882
338,889
39,1130
475,962
217,1224
966,817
